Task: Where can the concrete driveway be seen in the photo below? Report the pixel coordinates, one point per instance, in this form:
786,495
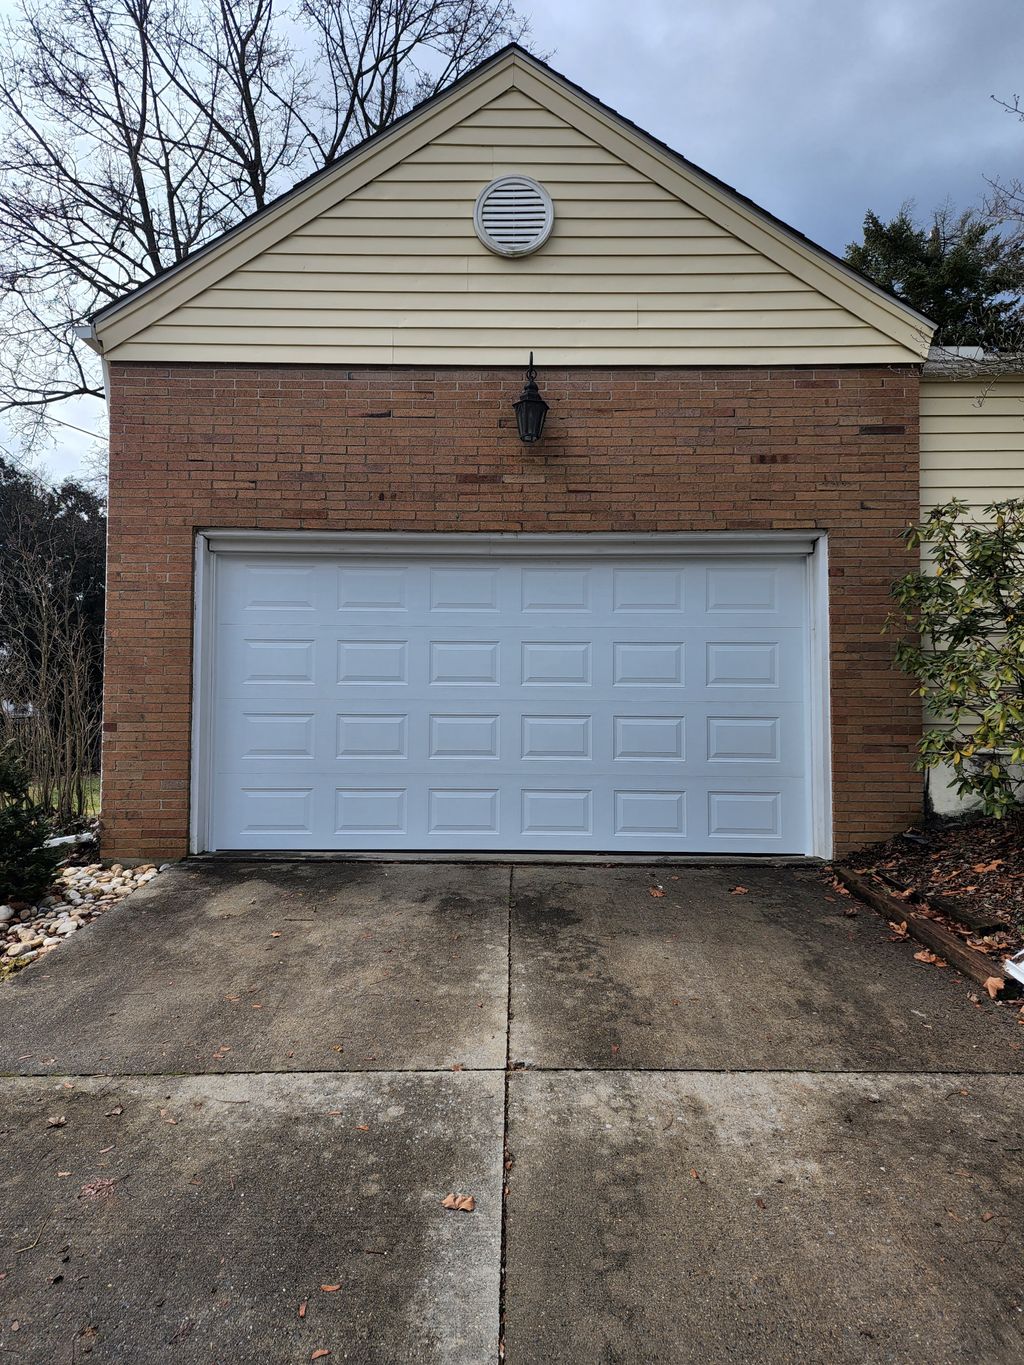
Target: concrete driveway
731,1126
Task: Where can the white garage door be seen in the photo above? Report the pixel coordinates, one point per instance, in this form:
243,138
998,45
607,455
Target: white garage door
610,703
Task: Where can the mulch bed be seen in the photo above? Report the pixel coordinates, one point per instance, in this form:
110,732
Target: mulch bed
967,874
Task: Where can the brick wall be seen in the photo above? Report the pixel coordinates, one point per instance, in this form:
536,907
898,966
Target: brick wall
435,450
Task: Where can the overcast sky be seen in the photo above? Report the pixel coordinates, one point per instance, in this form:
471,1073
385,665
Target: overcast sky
816,109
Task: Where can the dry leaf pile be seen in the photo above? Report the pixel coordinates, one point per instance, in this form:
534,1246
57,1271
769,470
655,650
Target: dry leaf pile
976,862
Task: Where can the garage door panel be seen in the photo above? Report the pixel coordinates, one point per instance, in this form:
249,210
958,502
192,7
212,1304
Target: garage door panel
643,704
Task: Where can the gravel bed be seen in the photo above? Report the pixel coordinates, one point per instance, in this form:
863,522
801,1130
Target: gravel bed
79,895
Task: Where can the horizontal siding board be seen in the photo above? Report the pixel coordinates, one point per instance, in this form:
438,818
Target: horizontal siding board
325,318
569,192
361,354
672,308
598,269
522,336
563,291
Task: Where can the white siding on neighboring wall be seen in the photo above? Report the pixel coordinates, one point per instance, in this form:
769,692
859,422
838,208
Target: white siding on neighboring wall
972,447
972,440
394,273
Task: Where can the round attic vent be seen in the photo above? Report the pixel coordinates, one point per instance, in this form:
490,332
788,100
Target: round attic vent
513,215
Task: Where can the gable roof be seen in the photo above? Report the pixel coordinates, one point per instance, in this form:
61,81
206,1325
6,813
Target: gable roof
514,70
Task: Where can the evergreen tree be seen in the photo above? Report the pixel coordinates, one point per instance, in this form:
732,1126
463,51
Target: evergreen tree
958,271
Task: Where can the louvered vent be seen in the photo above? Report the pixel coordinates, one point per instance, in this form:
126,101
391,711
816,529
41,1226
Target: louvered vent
513,215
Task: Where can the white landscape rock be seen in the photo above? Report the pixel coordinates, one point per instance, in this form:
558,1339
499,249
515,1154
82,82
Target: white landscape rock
80,895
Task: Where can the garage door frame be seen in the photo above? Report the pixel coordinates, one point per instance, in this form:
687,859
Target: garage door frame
211,545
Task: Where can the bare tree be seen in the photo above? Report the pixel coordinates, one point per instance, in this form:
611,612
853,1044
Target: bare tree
133,131
51,594
1006,200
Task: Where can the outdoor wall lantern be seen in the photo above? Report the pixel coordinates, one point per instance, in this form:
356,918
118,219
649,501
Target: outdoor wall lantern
531,409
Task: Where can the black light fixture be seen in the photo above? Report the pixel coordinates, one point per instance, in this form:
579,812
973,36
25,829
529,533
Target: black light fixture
530,408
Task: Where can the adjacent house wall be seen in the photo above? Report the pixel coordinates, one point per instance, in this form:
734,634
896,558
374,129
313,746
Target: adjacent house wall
972,440
972,447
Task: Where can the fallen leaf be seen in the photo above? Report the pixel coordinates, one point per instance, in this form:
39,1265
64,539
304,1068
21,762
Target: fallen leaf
994,984
334,1113
933,959
362,1127
656,891
56,1121
899,930
330,1288
738,891
62,1174
760,1203
460,1203
987,867
302,1309
115,1113
319,1355
615,1048
987,1217
97,1189
457,1066
275,933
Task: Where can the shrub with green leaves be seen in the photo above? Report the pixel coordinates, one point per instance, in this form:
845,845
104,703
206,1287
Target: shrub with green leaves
27,867
962,618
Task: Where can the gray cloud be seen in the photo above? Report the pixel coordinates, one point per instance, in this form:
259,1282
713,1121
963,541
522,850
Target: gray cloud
816,109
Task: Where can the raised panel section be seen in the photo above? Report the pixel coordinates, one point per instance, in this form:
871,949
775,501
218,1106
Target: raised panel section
372,589
462,811
654,664
750,814
383,662
742,588
743,739
455,662
658,814
739,664
276,810
372,736
273,735
465,588
463,737
650,738
558,665
278,661
279,589
551,589
561,737
647,589
556,812
370,810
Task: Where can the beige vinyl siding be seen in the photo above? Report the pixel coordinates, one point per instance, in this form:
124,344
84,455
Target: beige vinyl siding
394,273
972,440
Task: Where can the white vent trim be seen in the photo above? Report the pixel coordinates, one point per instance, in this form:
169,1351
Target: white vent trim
513,215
